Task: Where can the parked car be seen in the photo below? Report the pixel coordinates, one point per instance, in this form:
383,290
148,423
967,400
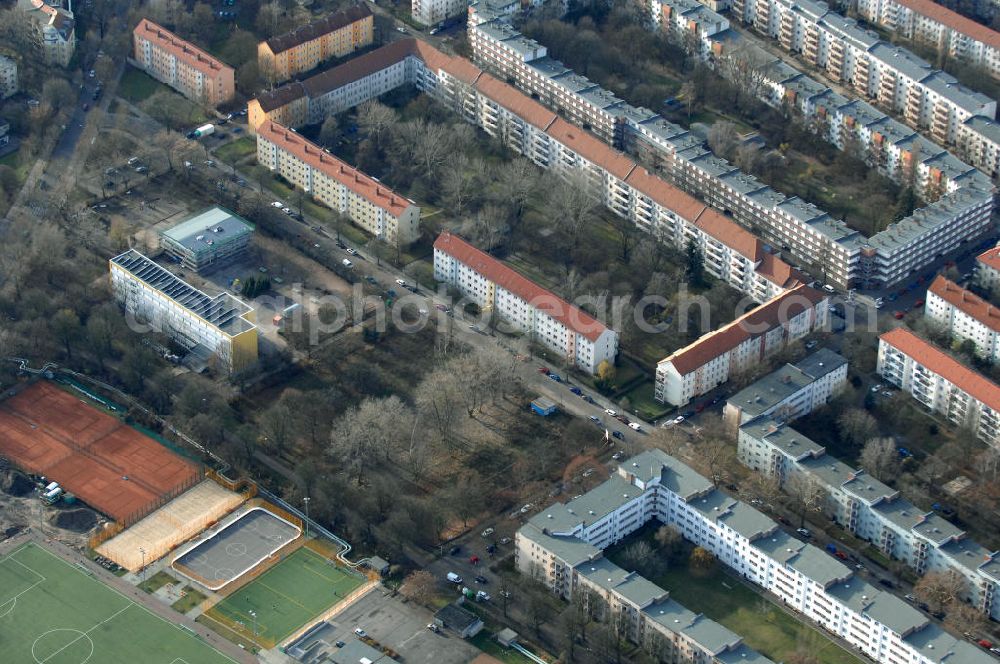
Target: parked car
487,532
543,370
481,579
618,434
804,532
595,419
360,632
610,412
576,390
454,578
635,426
555,377
455,550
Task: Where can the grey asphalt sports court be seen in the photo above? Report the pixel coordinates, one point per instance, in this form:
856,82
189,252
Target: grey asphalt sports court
236,549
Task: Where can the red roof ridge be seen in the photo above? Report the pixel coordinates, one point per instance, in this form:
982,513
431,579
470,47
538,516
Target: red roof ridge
771,314
360,183
500,273
180,48
966,301
954,20
929,356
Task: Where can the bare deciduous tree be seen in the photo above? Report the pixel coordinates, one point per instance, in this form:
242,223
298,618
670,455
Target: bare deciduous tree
939,589
880,458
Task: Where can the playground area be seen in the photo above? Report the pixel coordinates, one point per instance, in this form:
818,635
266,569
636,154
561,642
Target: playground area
236,548
289,596
54,613
110,466
170,526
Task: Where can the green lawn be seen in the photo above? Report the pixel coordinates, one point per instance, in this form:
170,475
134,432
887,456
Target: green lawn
234,151
53,612
286,597
190,599
642,401
761,623
157,581
136,86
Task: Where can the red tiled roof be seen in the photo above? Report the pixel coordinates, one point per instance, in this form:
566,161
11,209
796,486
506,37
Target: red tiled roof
319,28
778,271
182,50
936,361
588,147
520,105
455,66
729,233
953,20
756,322
666,195
505,277
361,184
990,258
966,302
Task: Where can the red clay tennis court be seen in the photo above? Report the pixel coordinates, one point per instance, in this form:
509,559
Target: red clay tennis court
104,462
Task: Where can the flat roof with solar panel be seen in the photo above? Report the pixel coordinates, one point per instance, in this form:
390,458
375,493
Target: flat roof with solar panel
222,311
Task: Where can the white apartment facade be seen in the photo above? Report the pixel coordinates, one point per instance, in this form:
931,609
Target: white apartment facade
895,77
563,542
987,269
965,316
710,360
432,12
730,253
546,318
8,77
367,202
941,384
937,26
790,392
222,325
845,256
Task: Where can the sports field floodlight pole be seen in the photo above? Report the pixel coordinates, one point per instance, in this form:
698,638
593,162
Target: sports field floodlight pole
253,614
143,569
306,501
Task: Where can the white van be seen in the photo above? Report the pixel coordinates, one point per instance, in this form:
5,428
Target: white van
347,263
454,578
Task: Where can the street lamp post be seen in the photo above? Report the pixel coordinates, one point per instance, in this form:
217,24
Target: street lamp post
306,501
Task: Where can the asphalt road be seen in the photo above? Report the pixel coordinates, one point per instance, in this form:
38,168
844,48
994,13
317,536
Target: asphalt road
75,125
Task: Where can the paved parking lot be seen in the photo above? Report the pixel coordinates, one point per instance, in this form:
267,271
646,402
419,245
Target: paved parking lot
402,627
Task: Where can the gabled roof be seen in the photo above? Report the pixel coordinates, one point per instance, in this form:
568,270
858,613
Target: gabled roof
990,258
967,302
755,323
974,384
953,20
590,148
729,233
361,184
318,28
523,107
182,50
505,277
664,194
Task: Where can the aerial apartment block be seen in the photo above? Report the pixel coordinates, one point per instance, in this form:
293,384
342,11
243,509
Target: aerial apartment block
987,269
938,27
207,239
304,48
730,253
546,318
220,326
53,32
432,12
8,76
790,392
896,78
710,360
941,383
182,65
965,317
367,202
872,511
962,211
563,547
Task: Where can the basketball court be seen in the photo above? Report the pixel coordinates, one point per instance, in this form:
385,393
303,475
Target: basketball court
170,526
236,548
93,455
54,613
